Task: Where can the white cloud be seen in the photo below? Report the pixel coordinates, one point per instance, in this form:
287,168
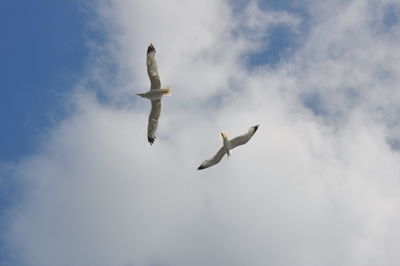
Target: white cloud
308,189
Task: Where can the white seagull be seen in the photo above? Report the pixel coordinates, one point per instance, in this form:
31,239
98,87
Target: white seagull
227,146
154,94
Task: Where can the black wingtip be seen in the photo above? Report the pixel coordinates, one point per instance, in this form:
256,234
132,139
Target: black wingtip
255,128
151,140
151,48
200,167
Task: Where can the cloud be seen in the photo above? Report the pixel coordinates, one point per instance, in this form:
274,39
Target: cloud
310,188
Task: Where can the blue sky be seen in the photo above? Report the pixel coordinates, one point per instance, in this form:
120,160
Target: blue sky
43,53
83,173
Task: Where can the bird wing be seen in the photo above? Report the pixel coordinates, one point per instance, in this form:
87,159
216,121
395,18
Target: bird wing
152,68
153,120
242,139
214,160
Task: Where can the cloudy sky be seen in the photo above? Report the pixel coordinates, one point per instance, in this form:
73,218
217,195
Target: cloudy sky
318,184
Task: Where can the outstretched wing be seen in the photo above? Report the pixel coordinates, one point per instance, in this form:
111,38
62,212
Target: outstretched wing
242,139
214,160
152,68
153,120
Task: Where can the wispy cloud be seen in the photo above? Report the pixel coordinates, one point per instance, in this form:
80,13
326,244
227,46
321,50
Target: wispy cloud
311,188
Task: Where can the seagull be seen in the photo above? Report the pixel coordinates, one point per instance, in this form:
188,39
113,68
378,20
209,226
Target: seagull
154,94
227,146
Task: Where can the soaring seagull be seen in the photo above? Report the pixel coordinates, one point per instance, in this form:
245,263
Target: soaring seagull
227,146
154,94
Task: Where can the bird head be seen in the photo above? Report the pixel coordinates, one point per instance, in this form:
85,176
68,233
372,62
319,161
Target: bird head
224,135
167,91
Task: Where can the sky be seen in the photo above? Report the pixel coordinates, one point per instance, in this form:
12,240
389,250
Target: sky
318,184
43,52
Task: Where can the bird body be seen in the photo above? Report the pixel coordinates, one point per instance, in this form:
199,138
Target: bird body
227,146
155,94
226,143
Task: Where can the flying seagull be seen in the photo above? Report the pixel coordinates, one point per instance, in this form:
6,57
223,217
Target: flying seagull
227,146
154,94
